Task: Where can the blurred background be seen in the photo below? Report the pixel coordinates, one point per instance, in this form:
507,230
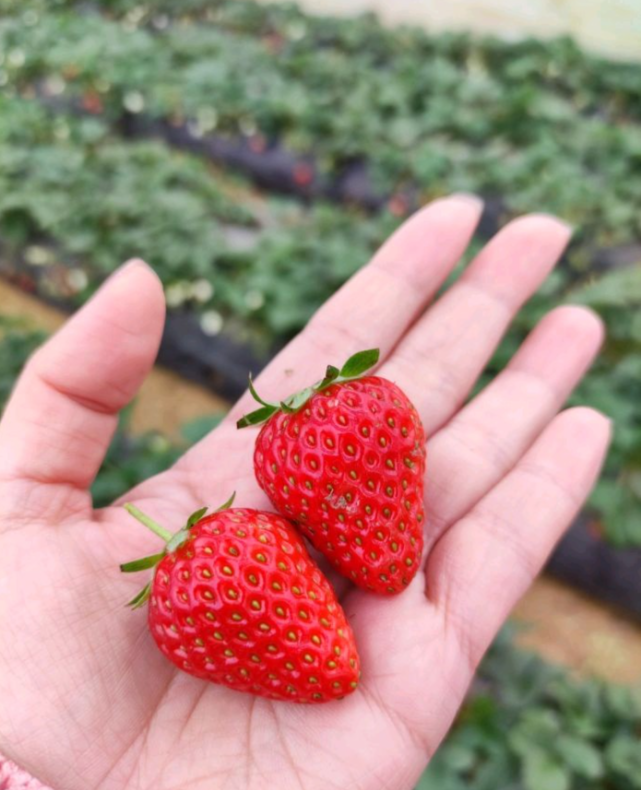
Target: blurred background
255,154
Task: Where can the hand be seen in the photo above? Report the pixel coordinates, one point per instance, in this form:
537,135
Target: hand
88,702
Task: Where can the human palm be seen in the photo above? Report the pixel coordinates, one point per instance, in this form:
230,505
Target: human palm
88,702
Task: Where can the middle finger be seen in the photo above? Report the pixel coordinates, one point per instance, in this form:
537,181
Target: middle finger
440,358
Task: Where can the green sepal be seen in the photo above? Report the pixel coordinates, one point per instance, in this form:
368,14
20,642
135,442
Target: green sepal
195,517
142,564
357,364
227,504
141,598
256,417
331,374
178,539
297,401
255,395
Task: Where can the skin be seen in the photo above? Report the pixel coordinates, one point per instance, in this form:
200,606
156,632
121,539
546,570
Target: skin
88,702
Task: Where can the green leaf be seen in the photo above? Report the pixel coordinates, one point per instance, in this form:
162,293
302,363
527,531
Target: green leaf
256,417
583,758
141,598
177,540
297,401
623,756
357,364
142,564
619,288
541,771
195,517
458,757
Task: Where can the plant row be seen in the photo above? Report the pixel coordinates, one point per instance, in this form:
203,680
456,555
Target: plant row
545,126
75,201
531,726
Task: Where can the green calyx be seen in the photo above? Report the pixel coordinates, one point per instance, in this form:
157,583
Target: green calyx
355,366
172,542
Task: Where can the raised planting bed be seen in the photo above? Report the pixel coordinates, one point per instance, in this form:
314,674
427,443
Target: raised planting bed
367,113
585,560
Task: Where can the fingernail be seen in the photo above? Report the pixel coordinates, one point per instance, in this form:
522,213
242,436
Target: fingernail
468,197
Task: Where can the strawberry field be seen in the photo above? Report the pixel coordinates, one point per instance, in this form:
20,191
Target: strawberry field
256,157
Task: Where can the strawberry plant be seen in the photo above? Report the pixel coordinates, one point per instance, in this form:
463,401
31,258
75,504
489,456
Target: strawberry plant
442,113
529,725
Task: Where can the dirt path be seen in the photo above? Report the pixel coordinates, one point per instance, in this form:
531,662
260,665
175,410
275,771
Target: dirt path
560,623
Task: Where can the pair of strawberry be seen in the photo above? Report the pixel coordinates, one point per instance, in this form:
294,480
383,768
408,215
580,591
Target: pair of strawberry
236,599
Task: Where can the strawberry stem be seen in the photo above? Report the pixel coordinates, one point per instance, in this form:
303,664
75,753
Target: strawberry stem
172,542
163,533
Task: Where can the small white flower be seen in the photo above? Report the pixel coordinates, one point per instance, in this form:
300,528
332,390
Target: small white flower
248,126
202,290
175,294
254,300
37,256
55,85
211,322
16,58
134,101
160,21
77,280
296,31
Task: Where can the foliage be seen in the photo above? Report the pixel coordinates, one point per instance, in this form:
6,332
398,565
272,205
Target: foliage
446,112
16,346
76,202
531,726
543,126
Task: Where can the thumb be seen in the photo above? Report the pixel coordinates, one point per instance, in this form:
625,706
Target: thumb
60,419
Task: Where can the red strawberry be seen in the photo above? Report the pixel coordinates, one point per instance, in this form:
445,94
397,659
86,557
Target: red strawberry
345,459
236,599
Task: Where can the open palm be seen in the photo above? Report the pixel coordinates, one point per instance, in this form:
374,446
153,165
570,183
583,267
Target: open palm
86,699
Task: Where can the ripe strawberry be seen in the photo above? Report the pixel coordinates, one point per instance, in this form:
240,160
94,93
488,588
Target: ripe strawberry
345,459
236,599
